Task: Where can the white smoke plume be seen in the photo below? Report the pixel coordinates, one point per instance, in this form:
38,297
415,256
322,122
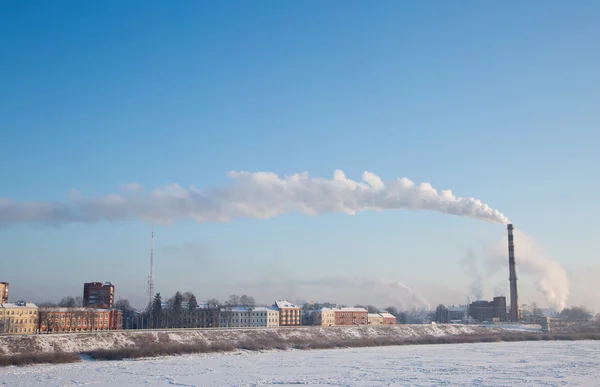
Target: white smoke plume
551,278
251,195
470,265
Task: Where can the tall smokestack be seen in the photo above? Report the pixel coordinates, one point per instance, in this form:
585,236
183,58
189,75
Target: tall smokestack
514,297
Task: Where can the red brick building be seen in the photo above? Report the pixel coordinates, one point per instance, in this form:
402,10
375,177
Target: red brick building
351,316
62,320
98,295
388,319
115,319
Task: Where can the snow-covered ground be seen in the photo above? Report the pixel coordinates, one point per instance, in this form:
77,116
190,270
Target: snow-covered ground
515,327
82,342
574,363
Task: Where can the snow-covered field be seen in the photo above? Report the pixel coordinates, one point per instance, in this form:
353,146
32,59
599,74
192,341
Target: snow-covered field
573,363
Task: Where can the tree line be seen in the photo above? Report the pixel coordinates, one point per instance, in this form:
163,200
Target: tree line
182,311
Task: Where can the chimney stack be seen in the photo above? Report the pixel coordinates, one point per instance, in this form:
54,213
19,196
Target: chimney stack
514,297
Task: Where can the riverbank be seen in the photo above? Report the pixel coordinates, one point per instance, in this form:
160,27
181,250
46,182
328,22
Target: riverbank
64,348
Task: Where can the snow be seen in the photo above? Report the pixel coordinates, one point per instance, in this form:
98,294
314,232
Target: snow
86,341
362,310
11,305
285,304
515,327
499,364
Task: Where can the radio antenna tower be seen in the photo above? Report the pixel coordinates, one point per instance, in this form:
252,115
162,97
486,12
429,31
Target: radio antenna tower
151,277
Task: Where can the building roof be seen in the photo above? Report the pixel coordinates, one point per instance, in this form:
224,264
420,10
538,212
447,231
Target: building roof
285,304
265,309
247,309
325,310
11,305
350,310
75,309
461,309
387,315
375,315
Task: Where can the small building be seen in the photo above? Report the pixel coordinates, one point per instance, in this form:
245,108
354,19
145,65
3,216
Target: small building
3,292
59,320
324,317
351,316
98,295
388,318
19,318
374,319
289,314
249,317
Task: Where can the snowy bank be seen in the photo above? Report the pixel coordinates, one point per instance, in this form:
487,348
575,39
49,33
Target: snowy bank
86,342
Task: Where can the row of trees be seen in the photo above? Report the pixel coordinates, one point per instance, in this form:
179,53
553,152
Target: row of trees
181,311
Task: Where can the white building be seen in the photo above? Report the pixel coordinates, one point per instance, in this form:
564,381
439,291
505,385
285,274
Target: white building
245,317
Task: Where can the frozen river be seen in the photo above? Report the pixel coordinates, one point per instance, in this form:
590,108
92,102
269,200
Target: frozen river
495,364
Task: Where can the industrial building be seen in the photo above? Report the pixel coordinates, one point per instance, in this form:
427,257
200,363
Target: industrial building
98,295
489,310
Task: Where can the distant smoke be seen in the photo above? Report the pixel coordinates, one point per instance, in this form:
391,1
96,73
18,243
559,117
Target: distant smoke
551,278
501,289
357,290
252,195
470,265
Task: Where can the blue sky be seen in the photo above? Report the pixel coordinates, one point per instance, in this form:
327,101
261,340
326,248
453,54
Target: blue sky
493,100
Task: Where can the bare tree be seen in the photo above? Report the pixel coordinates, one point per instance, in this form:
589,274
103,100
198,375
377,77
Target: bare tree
577,313
176,310
67,302
212,314
47,304
369,308
49,320
234,300
248,301
226,310
441,314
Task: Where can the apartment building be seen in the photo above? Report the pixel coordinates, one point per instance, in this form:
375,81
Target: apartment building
324,317
374,319
98,295
388,318
351,316
247,317
289,314
18,318
55,320
3,292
